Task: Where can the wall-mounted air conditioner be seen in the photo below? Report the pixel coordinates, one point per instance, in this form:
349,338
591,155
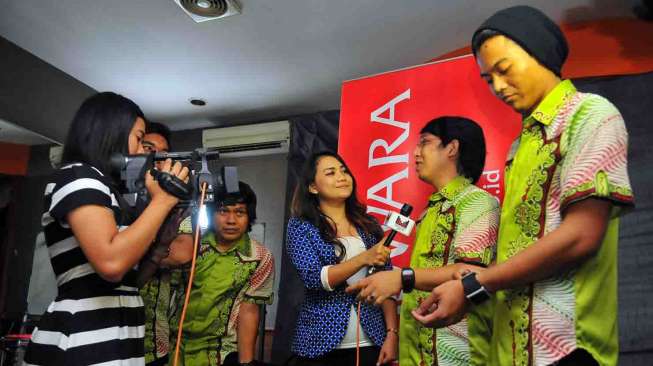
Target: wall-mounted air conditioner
249,140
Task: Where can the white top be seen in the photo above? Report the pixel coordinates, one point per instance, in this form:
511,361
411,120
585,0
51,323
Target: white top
353,247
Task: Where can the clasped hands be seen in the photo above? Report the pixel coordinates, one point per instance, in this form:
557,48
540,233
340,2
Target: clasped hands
445,305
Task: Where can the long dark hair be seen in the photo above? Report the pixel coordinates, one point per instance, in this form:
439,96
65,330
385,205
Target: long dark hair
306,205
100,128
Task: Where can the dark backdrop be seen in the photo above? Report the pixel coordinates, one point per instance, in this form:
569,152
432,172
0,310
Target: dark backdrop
308,134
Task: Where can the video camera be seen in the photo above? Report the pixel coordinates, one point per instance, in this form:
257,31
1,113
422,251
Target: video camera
133,168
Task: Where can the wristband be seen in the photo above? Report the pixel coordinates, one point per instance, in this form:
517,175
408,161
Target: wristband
392,330
474,291
407,279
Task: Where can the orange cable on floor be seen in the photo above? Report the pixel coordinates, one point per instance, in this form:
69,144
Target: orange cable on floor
190,278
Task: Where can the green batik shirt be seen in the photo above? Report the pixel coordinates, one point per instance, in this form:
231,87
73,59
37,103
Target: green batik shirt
161,296
572,147
460,223
223,280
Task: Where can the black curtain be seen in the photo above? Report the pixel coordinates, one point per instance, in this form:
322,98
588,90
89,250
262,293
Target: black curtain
308,134
633,95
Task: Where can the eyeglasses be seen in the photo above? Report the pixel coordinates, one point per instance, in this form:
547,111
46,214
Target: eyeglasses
425,141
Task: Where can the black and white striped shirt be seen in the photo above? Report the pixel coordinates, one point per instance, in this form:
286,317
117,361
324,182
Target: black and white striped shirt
92,321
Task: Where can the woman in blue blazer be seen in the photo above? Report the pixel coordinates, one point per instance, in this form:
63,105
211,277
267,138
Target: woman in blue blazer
332,241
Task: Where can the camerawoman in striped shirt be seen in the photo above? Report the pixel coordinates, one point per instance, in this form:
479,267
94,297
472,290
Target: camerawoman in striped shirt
97,317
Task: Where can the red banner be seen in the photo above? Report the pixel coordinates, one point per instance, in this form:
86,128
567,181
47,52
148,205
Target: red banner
380,120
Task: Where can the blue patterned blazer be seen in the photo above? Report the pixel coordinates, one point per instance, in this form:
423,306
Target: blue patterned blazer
323,316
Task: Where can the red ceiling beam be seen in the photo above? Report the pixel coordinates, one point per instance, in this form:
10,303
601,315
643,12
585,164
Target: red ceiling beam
614,46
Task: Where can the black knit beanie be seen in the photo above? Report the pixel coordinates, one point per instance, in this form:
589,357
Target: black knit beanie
531,29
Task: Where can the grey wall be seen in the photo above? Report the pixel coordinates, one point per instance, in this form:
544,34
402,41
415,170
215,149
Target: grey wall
267,177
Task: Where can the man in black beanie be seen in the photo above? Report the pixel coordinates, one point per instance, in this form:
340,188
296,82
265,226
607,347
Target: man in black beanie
554,286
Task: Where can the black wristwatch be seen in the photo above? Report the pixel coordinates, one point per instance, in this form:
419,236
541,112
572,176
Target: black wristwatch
474,291
407,279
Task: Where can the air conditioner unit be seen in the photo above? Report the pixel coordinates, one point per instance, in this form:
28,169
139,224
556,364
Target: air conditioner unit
249,140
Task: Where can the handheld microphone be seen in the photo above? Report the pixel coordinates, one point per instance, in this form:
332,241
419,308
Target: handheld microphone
398,223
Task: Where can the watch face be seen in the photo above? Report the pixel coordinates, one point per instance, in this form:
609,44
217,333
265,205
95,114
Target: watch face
407,279
474,291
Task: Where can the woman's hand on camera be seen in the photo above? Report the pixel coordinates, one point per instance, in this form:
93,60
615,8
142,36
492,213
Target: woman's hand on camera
376,256
155,190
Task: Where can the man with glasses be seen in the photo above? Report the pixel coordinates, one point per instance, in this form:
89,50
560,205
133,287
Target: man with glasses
234,275
458,226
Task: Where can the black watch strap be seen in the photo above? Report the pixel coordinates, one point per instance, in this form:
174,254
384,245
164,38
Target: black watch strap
474,291
407,279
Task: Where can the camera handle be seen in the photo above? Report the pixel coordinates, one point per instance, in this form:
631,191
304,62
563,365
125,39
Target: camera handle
204,175
172,184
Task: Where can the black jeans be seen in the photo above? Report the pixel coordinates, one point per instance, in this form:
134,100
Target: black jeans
579,357
232,360
341,357
163,361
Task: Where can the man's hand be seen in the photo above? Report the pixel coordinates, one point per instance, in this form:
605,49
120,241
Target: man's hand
378,287
167,233
169,230
445,306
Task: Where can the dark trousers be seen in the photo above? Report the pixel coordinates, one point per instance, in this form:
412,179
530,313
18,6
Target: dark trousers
579,357
163,361
231,360
341,357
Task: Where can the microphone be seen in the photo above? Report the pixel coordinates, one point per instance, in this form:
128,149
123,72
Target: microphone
398,223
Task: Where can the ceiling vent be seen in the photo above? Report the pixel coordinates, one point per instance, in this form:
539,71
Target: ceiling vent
203,10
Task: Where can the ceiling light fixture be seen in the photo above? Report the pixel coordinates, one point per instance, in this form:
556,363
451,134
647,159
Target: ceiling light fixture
197,102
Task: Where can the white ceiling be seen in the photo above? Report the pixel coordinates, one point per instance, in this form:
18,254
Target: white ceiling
279,58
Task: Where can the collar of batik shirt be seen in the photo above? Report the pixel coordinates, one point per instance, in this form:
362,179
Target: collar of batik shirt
242,246
450,191
547,110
